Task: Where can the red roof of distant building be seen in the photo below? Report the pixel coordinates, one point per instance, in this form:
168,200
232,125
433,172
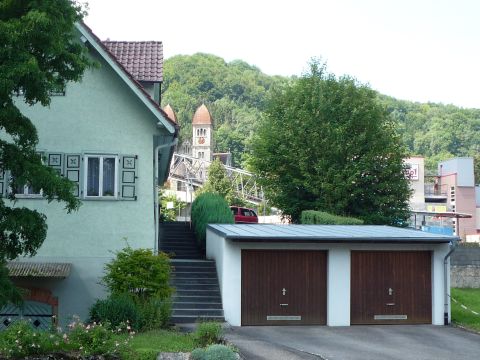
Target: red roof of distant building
169,111
202,116
142,59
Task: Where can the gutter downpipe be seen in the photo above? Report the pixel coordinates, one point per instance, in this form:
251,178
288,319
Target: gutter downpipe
445,281
155,190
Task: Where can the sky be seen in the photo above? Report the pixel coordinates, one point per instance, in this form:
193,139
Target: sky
418,50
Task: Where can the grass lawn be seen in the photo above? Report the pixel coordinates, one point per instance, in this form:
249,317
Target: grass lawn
147,345
471,299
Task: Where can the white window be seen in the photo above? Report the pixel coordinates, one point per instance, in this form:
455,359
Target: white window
101,176
27,191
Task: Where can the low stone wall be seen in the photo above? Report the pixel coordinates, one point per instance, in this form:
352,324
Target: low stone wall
465,268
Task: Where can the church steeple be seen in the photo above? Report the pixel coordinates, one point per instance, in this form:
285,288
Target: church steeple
202,134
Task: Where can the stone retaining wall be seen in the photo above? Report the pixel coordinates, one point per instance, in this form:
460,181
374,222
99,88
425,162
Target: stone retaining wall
465,268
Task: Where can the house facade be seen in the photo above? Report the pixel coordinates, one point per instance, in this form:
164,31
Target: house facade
109,136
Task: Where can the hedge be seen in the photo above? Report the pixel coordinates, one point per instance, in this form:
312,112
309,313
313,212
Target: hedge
209,208
323,218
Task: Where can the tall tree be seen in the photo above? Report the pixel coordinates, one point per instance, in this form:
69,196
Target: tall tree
38,56
326,144
218,182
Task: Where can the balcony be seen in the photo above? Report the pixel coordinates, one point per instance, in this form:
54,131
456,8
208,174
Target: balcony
436,193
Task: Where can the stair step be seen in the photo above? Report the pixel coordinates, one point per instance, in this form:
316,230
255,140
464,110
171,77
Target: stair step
195,269
187,281
197,312
178,244
197,299
196,305
175,237
202,263
194,275
197,292
180,250
206,287
193,319
185,253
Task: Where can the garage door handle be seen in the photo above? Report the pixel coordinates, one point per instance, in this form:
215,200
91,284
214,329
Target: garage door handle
283,304
390,304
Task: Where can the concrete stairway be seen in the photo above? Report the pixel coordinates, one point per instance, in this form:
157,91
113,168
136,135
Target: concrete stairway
178,240
197,293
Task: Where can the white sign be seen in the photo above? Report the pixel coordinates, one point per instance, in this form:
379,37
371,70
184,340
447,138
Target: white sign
170,205
412,171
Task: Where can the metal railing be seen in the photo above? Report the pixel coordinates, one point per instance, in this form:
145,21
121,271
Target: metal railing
436,190
194,171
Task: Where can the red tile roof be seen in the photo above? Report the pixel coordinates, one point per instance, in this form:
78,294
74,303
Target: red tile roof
142,59
130,76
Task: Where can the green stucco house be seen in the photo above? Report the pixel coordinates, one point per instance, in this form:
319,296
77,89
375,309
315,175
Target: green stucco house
110,137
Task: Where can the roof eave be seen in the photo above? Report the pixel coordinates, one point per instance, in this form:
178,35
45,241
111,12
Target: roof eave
353,240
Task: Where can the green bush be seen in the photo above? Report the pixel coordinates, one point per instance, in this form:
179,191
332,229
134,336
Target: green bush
208,333
137,313
198,354
209,208
214,352
323,218
139,272
155,313
116,310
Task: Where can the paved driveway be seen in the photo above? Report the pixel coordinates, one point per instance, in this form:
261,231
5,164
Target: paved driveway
425,342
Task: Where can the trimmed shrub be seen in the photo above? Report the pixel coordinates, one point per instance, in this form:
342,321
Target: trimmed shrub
139,272
214,352
323,218
208,333
209,208
116,310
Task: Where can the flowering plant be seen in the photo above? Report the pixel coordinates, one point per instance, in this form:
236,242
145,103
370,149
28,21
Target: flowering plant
20,339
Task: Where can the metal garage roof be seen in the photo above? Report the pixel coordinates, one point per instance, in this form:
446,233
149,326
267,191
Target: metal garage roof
326,233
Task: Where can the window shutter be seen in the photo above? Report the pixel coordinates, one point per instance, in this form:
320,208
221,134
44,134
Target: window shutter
3,182
55,161
72,171
128,171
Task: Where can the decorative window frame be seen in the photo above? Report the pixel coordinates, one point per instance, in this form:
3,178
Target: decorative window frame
100,177
26,195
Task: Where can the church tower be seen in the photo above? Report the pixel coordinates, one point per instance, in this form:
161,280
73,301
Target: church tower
202,141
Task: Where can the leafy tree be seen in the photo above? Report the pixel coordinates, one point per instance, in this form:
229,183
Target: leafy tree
236,94
218,182
326,144
38,56
169,214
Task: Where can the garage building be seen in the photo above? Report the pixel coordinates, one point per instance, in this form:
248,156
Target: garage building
331,274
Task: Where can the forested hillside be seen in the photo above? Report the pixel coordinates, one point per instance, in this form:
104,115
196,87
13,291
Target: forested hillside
235,94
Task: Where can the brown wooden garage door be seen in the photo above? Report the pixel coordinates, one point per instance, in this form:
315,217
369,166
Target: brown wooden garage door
391,287
284,287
